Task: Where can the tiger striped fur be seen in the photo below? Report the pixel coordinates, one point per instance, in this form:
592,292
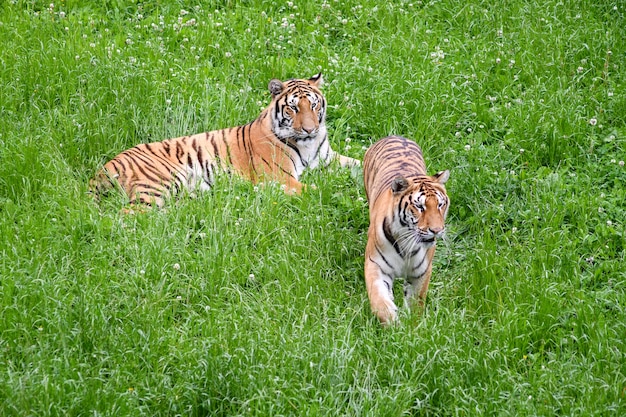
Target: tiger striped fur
407,213
287,137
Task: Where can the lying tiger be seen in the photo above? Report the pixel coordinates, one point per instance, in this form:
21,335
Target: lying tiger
287,137
407,214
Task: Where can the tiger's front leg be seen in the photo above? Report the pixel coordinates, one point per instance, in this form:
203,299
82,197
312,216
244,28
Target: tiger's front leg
380,291
415,288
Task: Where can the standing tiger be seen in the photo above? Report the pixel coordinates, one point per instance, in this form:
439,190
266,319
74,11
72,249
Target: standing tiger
287,137
407,213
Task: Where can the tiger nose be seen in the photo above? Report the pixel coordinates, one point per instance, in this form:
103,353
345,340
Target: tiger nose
436,230
308,129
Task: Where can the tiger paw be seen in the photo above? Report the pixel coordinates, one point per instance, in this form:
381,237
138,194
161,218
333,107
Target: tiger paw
387,312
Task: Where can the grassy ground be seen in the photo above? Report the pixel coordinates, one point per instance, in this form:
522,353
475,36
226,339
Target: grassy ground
248,302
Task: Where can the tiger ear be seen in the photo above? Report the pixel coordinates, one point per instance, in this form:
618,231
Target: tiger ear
399,184
317,80
441,177
276,86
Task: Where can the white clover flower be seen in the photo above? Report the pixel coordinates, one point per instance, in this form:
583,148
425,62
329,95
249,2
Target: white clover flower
621,163
467,147
593,121
176,266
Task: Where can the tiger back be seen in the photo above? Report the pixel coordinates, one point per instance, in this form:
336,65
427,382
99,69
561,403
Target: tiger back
288,136
407,210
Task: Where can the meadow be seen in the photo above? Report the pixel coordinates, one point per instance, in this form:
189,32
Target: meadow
245,301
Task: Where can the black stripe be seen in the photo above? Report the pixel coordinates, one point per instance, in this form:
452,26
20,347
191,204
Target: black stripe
230,159
216,151
383,256
379,267
179,151
317,151
390,237
424,259
280,167
163,159
149,162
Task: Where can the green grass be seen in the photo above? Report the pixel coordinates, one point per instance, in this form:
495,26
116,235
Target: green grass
245,301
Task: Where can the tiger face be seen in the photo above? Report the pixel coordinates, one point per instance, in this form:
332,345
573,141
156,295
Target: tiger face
299,108
422,209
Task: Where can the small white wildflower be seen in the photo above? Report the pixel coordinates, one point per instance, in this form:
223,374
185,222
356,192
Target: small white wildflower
457,134
609,223
579,69
176,266
179,297
593,121
467,147
621,163
513,229
61,15
184,12
521,150
142,272
228,54
613,161
610,94
168,102
344,21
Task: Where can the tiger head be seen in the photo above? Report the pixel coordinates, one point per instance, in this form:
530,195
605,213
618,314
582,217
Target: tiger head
298,108
422,206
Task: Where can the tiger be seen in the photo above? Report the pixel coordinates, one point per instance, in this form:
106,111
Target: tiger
288,137
407,212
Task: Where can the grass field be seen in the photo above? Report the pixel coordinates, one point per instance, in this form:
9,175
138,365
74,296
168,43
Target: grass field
245,301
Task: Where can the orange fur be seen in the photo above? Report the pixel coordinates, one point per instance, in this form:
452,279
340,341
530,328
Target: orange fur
407,213
287,137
